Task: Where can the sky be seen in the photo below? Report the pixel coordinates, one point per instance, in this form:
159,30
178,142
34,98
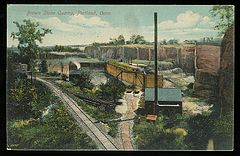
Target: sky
85,24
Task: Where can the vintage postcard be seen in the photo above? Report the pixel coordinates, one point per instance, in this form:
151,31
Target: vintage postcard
126,77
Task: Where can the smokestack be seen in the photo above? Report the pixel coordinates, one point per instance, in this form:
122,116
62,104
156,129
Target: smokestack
156,71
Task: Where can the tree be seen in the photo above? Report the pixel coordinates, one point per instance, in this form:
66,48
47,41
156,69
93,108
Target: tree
118,41
113,89
173,41
200,131
164,42
160,135
137,39
13,60
224,15
59,48
19,99
43,66
82,78
28,35
121,39
113,41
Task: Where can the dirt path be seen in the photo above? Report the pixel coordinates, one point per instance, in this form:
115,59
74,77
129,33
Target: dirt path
130,104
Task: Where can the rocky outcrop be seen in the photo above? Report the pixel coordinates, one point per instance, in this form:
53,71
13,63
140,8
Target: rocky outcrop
206,71
180,56
226,80
186,59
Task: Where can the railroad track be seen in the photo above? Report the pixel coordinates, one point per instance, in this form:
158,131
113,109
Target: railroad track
89,99
100,136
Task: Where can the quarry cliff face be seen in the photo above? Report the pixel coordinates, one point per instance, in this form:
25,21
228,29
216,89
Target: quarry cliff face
181,56
226,80
202,60
206,71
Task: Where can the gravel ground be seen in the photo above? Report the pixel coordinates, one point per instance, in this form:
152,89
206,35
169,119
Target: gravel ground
129,105
189,106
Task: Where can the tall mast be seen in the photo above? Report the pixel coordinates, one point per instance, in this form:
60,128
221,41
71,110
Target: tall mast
156,71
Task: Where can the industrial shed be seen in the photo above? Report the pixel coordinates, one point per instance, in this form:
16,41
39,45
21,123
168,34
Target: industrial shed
169,100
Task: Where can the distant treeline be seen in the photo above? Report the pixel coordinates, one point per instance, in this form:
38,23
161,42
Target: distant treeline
57,48
60,48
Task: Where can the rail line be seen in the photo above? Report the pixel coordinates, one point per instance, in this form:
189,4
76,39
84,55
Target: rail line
100,136
89,99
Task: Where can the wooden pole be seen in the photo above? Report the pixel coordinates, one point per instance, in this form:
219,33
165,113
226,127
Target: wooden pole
156,71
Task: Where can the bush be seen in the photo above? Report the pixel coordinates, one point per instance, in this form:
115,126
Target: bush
200,131
43,66
27,100
113,129
102,116
158,135
57,130
223,132
113,89
54,73
82,78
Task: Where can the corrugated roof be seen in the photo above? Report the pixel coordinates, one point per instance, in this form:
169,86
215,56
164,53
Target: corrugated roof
164,94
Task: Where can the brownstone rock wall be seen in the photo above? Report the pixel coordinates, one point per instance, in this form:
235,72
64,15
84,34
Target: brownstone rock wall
206,71
226,74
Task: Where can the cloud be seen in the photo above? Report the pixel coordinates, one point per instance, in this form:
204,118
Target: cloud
76,23
82,20
188,19
56,23
82,30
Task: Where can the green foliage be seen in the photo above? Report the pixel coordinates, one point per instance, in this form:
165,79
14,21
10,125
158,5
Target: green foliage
64,77
95,45
94,111
102,116
164,42
121,39
223,127
98,114
117,41
172,41
28,35
43,66
113,89
223,132
113,129
137,39
82,79
19,99
225,16
27,100
54,73
199,132
60,48
159,135
56,131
